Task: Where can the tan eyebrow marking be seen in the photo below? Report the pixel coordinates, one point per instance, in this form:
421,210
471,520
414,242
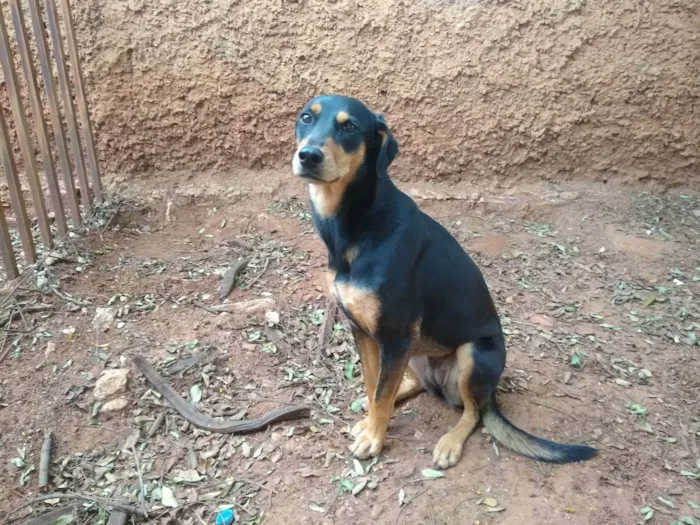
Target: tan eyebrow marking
316,108
342,117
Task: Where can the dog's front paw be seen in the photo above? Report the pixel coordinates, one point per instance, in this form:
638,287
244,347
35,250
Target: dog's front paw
365,404
447,451
368,443
359,427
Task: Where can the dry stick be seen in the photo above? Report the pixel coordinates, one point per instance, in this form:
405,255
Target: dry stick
153,429
142,486
208,308
4,319
52,517
106,502
326,327
257,277
205,422
555,409
230,277
117,517
45,464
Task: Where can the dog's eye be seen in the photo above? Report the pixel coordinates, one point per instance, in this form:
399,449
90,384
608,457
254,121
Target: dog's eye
306,118
349,127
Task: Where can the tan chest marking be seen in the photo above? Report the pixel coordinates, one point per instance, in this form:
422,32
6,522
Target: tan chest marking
362,305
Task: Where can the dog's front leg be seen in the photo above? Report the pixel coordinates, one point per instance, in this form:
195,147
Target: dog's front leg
384,364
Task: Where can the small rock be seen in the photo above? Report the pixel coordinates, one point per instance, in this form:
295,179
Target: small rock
103,318
376,511
50,349
111,383
272,317
253,306
115,405
542,320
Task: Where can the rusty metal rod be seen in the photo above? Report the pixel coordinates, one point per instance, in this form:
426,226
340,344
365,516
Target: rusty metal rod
38,116
8,254
22,129
59,133
59,53
74,57
16,197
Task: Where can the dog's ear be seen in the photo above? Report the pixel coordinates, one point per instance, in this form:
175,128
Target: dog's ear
389,147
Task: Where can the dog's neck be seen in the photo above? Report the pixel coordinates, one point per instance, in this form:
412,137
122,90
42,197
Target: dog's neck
365,208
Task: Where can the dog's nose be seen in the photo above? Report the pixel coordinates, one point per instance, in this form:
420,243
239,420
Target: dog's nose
310,156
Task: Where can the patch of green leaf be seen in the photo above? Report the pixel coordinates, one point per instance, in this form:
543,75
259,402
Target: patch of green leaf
429,473
636,409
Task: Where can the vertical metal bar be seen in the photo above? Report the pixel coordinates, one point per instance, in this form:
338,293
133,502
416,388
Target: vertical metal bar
68,107
23,134
74,57
38,114
15,190
8,254
54,110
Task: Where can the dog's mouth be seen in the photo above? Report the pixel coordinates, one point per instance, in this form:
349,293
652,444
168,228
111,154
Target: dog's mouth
309,175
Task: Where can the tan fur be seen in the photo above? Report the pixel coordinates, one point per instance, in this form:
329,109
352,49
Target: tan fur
342,117
338,171
425,346
363,305
316,108
351,254
410,386
449,449
371,432
330,280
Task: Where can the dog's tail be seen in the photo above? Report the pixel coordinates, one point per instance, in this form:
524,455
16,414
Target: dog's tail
528,445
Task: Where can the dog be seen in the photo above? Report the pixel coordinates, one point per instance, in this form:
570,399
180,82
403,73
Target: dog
421,314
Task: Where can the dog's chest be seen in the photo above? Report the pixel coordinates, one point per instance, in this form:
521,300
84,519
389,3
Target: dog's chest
358,300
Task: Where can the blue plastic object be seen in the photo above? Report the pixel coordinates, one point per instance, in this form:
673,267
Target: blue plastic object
225,517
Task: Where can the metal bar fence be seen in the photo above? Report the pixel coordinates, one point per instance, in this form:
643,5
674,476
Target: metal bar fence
54,224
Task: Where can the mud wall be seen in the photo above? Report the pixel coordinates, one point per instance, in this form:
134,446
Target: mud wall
505,90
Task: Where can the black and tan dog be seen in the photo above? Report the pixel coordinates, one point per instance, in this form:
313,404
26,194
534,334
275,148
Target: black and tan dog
421,313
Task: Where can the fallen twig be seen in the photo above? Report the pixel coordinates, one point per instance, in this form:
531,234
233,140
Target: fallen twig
52,517
18,310
211,310
257,277
142,486
105,502
117,517
68,298
153,429
205,422
45,463
327,327
230,277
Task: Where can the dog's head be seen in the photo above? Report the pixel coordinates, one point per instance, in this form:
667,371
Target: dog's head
339,137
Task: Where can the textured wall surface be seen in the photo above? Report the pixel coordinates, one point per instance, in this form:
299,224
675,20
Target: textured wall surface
505,90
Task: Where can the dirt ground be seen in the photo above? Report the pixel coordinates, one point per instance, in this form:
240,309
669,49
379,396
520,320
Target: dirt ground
598,287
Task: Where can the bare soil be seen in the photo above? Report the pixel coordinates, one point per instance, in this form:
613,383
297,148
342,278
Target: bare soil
598,288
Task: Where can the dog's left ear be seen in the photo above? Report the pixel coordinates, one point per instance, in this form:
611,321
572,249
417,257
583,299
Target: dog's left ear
389,147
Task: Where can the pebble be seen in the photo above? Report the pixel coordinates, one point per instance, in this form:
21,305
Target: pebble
111,383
